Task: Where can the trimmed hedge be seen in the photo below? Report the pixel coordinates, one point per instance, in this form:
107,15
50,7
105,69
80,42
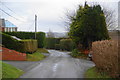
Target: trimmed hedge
41,39
30,35
22,35
10,42
29,45
105,56
60,44
51,42
57,46
67,44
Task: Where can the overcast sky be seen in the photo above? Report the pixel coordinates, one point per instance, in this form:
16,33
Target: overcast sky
50,13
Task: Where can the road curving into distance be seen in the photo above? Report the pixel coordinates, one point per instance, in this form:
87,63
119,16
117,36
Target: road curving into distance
59,65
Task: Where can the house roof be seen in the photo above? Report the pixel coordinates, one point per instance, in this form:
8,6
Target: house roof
9,24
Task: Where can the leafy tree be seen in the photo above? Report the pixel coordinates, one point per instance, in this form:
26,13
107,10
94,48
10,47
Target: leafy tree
89,25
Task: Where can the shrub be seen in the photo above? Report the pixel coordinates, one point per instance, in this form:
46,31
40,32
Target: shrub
30,35
41,39
74,53
67,44
105,56
57,46
50,43
29,45
10,42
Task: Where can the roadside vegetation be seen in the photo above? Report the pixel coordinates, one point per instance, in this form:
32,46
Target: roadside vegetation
42,50
37,56
88,30
76,54
9,71
93,73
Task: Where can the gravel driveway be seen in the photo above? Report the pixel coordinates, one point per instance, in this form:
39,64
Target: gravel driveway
58,65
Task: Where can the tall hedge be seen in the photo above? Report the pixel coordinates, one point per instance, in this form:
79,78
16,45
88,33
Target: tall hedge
51,42
67,44
22,35
11,43
30,35
29,45
105,56
41,39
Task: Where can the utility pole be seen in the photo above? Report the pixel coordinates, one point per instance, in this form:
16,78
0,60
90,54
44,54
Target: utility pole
35,25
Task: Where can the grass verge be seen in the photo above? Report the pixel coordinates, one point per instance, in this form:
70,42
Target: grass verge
42,50
93,73
9,71
37,56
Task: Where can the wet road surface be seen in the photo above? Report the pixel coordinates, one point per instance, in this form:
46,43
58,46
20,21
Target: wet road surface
59,65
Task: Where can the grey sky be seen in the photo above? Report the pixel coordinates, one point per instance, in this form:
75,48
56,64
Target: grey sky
50,12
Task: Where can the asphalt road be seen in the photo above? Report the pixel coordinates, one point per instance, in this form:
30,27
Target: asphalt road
59,65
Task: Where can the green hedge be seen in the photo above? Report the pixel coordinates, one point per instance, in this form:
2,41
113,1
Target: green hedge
57,46
11,43
30,35
67,44
22,35
51,42
60,44
41,39
29,45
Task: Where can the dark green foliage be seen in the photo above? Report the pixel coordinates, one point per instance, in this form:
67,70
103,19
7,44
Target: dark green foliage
88,26
41,39
57,46
11,43
50,42
74,53
22,35
30,35
60,44
67,44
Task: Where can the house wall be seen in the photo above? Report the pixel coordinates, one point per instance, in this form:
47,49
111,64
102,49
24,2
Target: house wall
10,29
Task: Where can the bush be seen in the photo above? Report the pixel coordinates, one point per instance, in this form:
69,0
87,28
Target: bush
105,56
29,45
30,35
74,53
67,44
10,42
57,46
41,39
50,42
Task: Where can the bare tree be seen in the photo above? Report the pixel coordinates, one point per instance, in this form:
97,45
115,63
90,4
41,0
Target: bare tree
70,16
110,17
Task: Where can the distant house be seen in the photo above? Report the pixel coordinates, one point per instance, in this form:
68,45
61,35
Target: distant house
114,34
7,26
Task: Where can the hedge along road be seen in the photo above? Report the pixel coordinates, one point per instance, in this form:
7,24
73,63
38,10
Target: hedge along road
59,65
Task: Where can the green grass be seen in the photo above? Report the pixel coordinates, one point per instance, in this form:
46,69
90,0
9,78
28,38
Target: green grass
92,73
42,50
37,56
9,71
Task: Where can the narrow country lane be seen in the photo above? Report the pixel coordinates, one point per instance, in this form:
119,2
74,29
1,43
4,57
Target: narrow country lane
59,65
